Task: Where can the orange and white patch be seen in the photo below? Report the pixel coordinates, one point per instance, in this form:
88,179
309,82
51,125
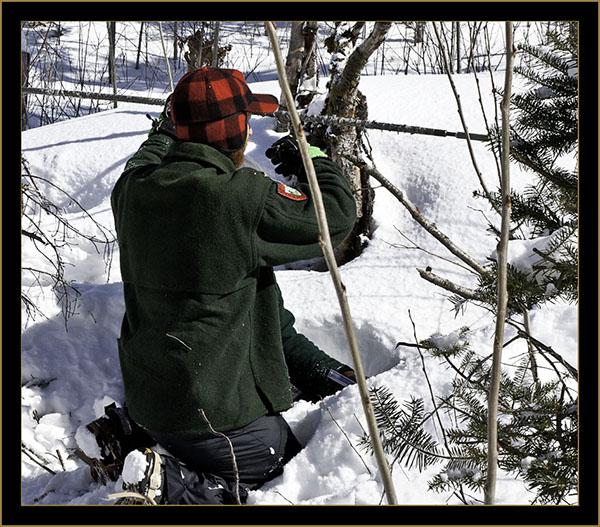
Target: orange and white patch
290,192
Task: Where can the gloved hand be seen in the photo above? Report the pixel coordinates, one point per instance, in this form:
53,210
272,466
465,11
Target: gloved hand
334,384
285,154
163,124
326,382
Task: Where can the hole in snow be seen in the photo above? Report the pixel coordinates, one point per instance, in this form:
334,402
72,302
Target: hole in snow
377,354
376,348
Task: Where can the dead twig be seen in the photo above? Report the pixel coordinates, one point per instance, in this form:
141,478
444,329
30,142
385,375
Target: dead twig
236,472
419,248
28,452
290,502
443,431
462,120
60,459
347,438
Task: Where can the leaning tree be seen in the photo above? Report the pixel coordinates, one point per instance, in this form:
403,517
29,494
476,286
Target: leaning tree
349,55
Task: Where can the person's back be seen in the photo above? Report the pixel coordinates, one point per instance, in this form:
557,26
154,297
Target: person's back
187,231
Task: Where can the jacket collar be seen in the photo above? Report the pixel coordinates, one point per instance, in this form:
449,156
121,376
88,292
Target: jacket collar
200,153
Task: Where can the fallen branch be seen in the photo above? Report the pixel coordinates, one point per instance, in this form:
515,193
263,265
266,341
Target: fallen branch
377,125
60,459
280,114
28,452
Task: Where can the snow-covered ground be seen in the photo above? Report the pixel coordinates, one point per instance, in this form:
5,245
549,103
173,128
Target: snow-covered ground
70,373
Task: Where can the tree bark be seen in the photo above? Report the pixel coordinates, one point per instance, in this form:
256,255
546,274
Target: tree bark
137,60
308,83
293,64
215,57
175,44
112,36
502,252
300,63
345,100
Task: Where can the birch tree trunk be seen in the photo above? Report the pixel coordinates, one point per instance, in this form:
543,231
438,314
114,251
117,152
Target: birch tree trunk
502,250
293,64
164,48
457,47
300,63
345,100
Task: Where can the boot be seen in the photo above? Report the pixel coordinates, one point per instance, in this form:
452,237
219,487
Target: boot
116,435
143,479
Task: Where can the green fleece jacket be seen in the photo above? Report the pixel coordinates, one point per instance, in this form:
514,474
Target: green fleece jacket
205,334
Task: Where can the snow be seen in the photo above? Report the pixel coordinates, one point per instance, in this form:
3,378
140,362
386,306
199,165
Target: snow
134,467
446,342
71,372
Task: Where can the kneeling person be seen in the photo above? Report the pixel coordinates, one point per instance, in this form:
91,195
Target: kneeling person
208,351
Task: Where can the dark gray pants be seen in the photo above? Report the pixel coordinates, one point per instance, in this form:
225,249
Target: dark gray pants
202,471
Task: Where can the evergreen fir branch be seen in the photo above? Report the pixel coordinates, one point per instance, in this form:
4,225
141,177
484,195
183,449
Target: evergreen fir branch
402,432
548,58
537,432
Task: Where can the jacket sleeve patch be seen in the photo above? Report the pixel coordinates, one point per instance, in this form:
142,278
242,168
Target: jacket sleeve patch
290,193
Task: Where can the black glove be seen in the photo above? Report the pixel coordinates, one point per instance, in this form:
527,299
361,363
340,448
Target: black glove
164,124
285,154
334,380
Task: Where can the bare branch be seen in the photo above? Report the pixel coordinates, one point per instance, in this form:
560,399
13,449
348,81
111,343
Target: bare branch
430,227
431,394
464,292
417,247
502,251
462,119
334,271
42,463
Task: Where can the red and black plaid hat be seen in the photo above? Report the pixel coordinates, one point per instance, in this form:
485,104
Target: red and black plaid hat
210,106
